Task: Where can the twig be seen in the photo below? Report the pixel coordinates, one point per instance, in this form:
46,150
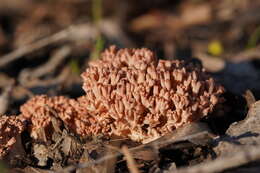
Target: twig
55,60
48,67
31,47
5,98
129,159
53,81
83,31
220,164
247,55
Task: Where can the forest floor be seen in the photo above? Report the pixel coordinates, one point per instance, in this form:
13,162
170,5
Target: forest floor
45,46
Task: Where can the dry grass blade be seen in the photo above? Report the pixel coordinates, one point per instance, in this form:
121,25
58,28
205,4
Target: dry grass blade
130,160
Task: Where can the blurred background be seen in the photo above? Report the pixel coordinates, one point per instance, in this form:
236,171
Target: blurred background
46,44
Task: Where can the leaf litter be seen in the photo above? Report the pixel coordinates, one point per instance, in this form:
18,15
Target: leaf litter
215,146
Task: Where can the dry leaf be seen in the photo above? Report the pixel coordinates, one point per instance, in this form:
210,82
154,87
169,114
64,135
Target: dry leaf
241,134
41,153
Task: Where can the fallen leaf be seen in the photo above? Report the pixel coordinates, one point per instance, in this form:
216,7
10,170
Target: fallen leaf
241,134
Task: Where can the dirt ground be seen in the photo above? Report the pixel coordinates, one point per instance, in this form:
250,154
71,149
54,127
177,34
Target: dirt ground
45,45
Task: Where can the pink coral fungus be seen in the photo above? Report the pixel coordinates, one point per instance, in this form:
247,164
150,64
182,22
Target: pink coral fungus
135,95
10,128
41,109
129,93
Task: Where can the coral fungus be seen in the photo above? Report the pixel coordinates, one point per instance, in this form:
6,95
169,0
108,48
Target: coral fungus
40,109
10,128
130,93
143,98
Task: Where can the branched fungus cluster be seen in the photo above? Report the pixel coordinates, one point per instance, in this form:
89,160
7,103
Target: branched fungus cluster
129,93
41,109
137,96
10,128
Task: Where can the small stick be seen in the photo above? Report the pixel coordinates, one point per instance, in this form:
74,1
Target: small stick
220,164
130,160
5,99
58,57
71,33
31,47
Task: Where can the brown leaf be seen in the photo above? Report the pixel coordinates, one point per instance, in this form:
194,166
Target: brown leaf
196,133
66,145
41,153
93,153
